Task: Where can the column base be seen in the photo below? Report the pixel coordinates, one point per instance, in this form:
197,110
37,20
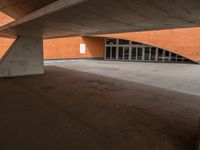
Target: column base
24,57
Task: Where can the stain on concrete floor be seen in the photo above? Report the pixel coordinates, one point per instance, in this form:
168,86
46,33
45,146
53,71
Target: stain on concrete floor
66,109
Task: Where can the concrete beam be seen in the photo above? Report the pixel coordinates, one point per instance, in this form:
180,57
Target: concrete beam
24,57
93,17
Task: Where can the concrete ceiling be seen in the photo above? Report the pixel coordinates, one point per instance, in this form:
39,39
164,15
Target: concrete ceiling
19,8
90,17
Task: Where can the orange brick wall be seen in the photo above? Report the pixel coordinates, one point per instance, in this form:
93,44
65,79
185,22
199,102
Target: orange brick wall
5,19
65,48
5,43
185,42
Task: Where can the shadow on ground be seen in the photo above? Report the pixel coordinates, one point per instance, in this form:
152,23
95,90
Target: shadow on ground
66,109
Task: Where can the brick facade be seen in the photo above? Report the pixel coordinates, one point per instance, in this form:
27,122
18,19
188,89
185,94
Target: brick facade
184,42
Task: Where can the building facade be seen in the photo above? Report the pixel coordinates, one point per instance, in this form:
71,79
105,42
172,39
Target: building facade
124,50
173,45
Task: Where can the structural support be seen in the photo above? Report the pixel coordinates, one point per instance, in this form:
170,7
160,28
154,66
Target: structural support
24,57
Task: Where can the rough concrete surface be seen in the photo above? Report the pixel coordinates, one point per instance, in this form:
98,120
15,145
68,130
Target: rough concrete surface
71,110
65,18
24,57
179,77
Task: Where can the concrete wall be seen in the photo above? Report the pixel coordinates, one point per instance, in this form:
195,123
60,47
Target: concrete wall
67,48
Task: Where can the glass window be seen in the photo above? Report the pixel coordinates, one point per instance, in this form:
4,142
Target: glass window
136,43
111,41
108,50
160,54
167,56
147,53
123,42
179,58
187,60
120,54
114,52
173,57
139,54
153,53
126,53
133,53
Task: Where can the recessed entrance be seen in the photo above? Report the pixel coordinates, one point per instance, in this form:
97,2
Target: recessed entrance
117,49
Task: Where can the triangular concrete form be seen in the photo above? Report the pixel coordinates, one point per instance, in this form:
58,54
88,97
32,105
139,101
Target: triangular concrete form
24,57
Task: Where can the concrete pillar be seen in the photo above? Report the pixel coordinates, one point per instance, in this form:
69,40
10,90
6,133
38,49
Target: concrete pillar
150,53
117,47
170,56
156,54
130,53
143,53
163,56
105,48
136,58
24,57
117,52
123,54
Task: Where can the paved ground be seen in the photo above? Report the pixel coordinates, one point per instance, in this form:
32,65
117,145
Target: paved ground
180,77
70,110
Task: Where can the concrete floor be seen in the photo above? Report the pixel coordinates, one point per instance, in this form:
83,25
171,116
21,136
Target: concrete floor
179,77
67,109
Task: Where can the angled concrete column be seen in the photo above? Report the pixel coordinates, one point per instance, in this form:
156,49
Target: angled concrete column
24,57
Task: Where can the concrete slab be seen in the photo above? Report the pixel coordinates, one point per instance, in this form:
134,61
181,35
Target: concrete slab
66,109
92,17
179,77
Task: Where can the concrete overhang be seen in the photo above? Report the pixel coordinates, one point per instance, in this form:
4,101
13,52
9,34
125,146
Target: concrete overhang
20,8
91,17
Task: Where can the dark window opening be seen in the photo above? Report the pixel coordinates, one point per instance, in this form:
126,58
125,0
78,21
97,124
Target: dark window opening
133,53
140,51
179,58
111,41
173,57
108,50
147,53
123,42
126,53
136,43
160,54
167,54
114,53
153,53
120,54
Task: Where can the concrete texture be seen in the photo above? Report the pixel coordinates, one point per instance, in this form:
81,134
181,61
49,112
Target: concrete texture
24,57
91,17
179,77
66,109
19,8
